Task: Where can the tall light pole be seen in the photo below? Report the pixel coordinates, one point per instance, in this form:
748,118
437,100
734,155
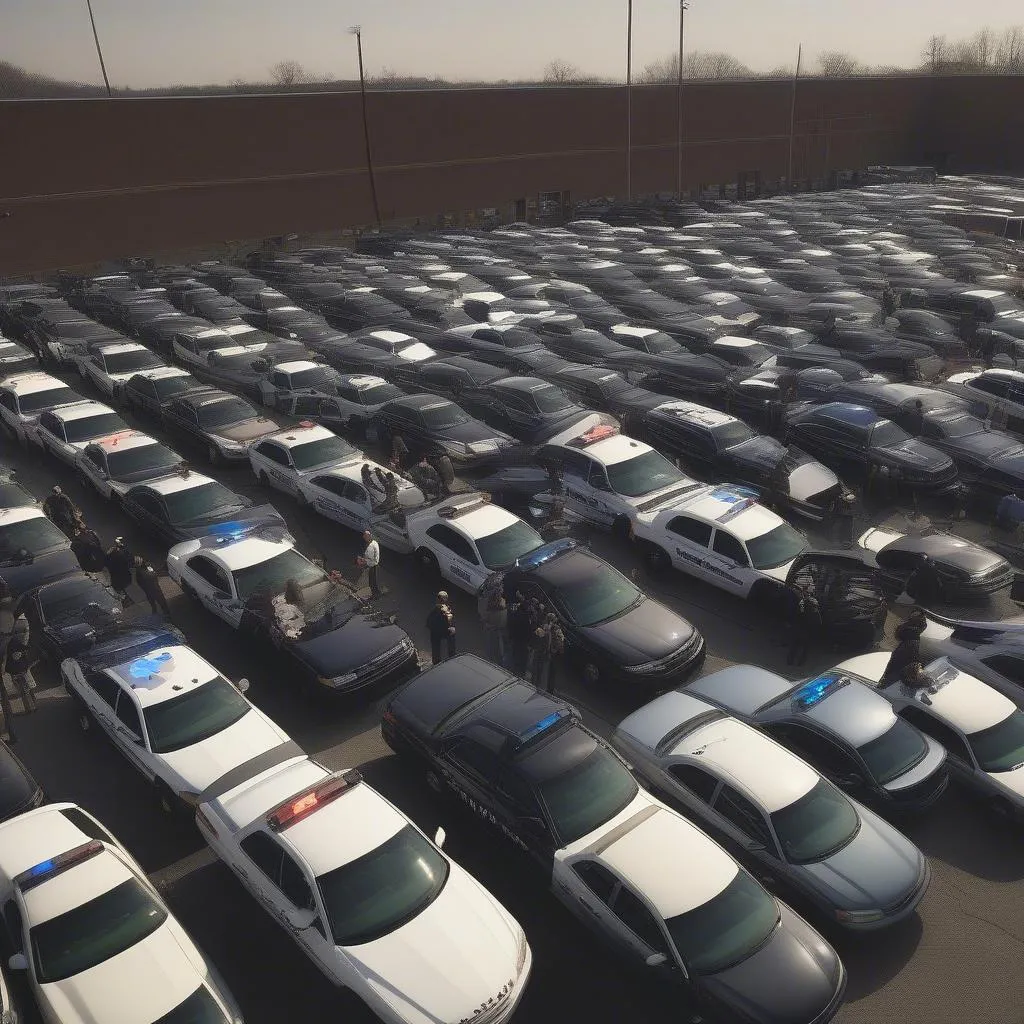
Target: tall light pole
357,31
792,118
683,7
99,50
629,99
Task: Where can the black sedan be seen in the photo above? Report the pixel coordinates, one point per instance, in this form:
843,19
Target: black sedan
504,341
881,352
453,376
932,330
149,392
67,615
19,792
855,438
965,572
603,389
584,345
190,505
224,425
12,494
528,408
613,630
32,550
431,424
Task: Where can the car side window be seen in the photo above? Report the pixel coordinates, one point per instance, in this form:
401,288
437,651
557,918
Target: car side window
311,406
454,542
148,502
280,380
597,878
729,547
330,484
598,477
274,452
574,464
209,571
128,714
637,918
279,868
104,687
938,731
991,386
699,782
821,752
9,401
691,529
52,424
1007,665
737,809
294,885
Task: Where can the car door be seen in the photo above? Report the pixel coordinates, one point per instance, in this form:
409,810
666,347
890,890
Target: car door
456,557
688,544
9,413
750,832
212,587
327,497
50,432
825,754
93,466
129,737
148,509
100,694
273,465
180,418
729,563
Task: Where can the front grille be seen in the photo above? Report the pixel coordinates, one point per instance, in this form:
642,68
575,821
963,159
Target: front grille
384,664
680,659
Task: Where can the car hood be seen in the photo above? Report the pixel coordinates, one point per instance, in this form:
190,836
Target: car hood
470,431
792,979
201,764
262,514
810,478
450,961
248,430
916,455
761,451
647,632
44,568
348,647
162,976
879,868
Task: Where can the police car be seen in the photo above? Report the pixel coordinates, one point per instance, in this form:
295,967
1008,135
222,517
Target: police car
366,896
724,538
282,459
113,464
610,479
175,718
524,763
981,728
65,432
109,366
25,396
94,938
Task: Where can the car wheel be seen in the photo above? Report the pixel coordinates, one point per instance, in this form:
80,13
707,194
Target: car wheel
621,529
657,559
214,455
428,564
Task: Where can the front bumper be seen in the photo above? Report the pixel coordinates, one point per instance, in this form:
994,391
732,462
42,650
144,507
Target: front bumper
392,671
668,673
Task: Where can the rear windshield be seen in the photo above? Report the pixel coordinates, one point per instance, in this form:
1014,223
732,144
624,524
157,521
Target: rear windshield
379,394
150,457
550,399
30,535
887,433
441,417
322,452
88,427
223,414
168,387
197,503
62,395
894,752
125,362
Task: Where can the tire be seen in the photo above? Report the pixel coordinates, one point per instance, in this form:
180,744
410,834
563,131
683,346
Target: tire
621,529
428,564
657,560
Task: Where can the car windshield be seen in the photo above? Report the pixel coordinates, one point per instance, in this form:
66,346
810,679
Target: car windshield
776,547
817,825
501,549
225,413
125,362
48,399
643,474
589,794
1000,748
148,458
271,575
729,434
194,716
195,503
727,929
31,535
895,752
79,939
88,427
378,394
443,415
384,889
886,433
603,593
214,342
168,387
198,1008
550,399
13,495
322,452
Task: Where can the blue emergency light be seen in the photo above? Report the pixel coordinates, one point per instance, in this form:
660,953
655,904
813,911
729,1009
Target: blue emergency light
545,553
818,689
547,722
148,666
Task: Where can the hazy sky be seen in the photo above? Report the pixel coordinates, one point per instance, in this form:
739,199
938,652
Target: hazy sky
157,42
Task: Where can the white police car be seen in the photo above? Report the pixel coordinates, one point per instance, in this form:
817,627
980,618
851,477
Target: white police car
724,538
175,718
65,432
296,377
113,464
94,938
609,479
368,898
284,458
108,366
25,396
981,728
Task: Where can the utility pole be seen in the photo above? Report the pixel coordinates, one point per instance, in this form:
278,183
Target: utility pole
792,118
683,6
99,50
357,31
629,99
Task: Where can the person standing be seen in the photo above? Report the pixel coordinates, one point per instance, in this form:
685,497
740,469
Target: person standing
370,561
495,621
519,632
399,452
557,650
907,650
426,478
19,664
63,512
539,670
446,471
88,548
844,514
7,619
806,626
441,627
120,563
149,583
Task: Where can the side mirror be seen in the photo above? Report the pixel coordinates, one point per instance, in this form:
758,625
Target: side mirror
656,960
18,962
439,837
242,685
298,919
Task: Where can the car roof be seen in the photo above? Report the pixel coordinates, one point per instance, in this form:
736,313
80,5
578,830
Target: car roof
300,434
726,509
694,413
848,412
163,673
198,399
657,838
81,411
123,441
846,707
392,337
248,551
31,383
965,701
298,365
178,482
484,521
8,516
162,372
362,381
420,402
612,450
114,348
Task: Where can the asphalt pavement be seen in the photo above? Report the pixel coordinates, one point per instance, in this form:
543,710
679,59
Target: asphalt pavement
958,960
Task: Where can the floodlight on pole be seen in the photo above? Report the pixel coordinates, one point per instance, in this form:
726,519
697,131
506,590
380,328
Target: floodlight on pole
357,31
99,49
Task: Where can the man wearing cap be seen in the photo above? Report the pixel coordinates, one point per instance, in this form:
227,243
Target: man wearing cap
61,510
370,561
441,627
120,565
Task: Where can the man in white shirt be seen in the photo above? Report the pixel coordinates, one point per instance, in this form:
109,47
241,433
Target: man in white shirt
370,560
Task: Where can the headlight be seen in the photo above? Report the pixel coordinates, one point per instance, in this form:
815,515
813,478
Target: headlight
337,681
859,916
482,447
186,796
230,446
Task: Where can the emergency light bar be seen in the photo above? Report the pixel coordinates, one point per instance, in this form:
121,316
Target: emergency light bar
303,804
599,433
545,553
462,508
818,689
48,869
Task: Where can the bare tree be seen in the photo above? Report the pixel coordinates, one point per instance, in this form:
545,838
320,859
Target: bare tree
559,72
704,64
780,72
978,51
936,53
1009,55
836,64
288,73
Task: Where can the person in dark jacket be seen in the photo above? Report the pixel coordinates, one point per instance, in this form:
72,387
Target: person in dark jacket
906,652
399,452
890,302
62,511
19,664
426,478
924,585
120,563
441,627
519,630
806,625
445,471
88,548
149,583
